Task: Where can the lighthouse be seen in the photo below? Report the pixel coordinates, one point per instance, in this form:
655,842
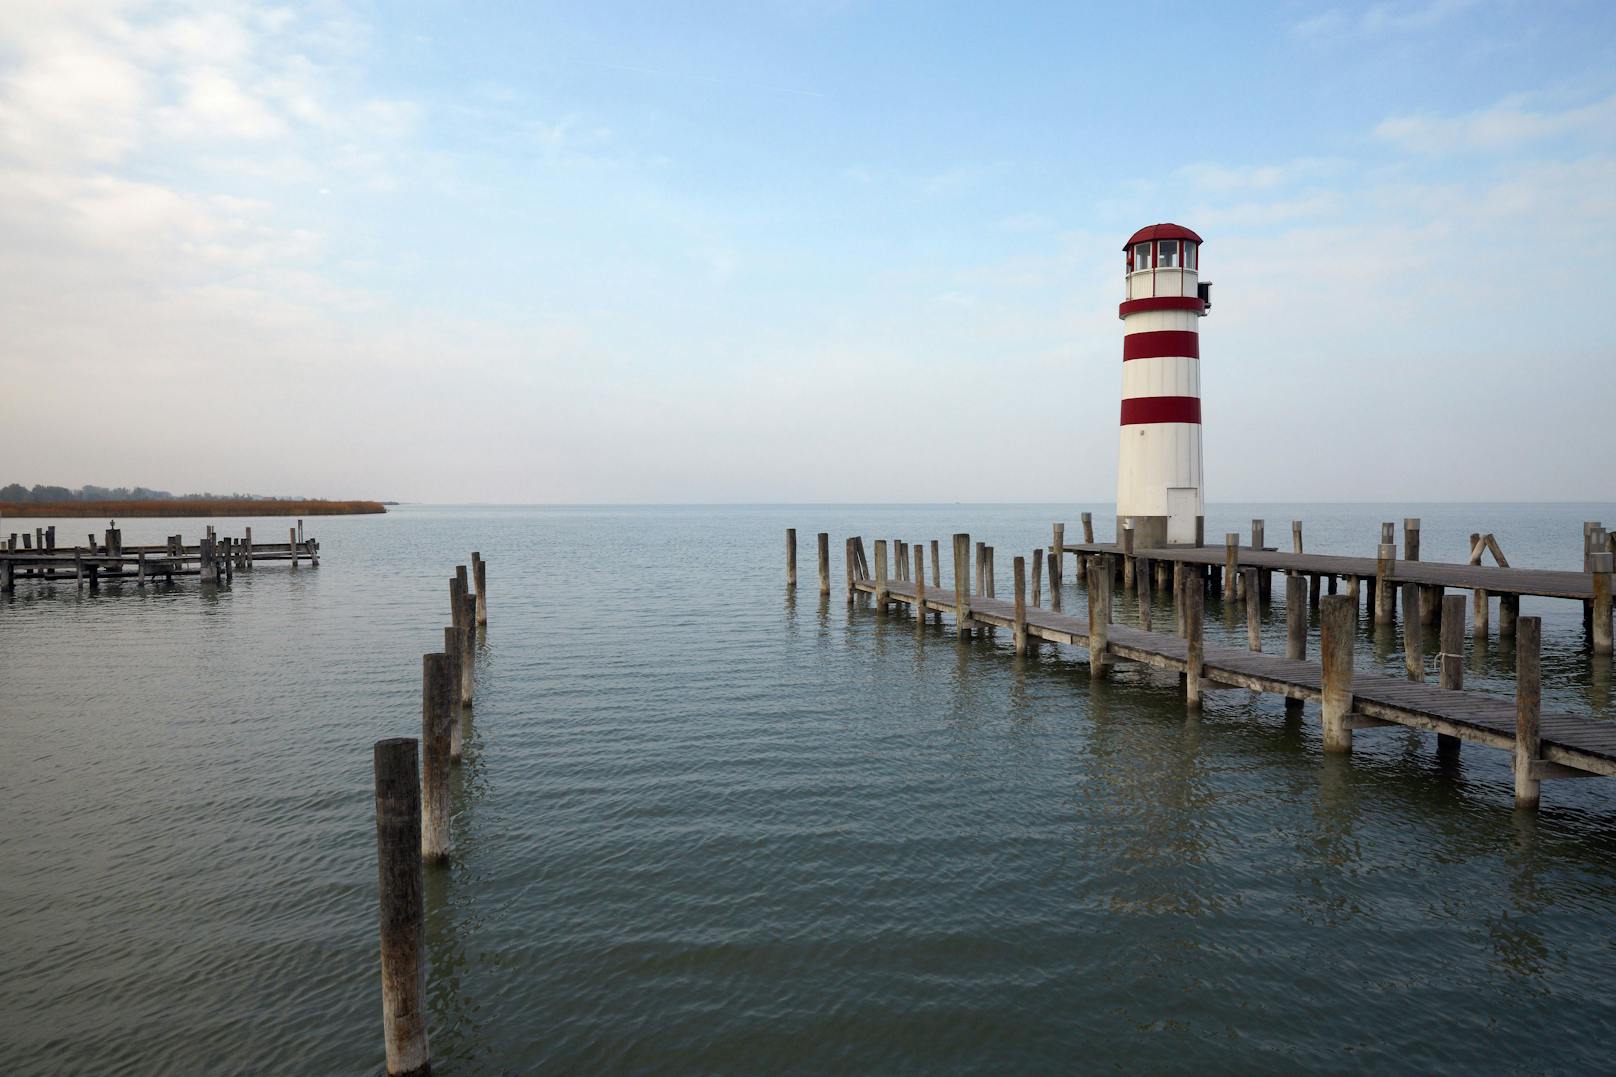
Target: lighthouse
1159,463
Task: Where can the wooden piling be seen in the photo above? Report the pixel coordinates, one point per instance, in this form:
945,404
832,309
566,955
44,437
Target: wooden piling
962,585
822,542
1142,596
437,710
791,558
850,562
1509,609
1231,563
1193,594
403,915
989,590
1385,604
246,544
1088,528
920,586
1601,562
1037,579
1019,569
453,640
881,576
1100,580
1335,656
1478,613
1129,569
1450,665
1295,630
1178,598
1057,569
291,540
1528,710
936,580
1265,583
981,568
1413,634
479,578
1253,611
468,656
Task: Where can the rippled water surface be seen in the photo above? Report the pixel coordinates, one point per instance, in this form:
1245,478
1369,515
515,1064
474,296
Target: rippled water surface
705,826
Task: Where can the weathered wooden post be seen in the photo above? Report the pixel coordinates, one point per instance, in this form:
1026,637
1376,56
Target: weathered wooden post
881,577
50,537
990,591
1057,568
78,567
1450,665
8,577
962,585
822,542
1335,654
1194,601
1509,610
1020,571
1142,597
208,569
1601,563
479,579
1179,576
1037,578
403,914
936,580
1413,634
1528,710
850,561
247,552
453,641
468,656
1088,528
437,709
1296,536
1231,563
1253,611
1129,569
791,558
1264,576
1295,630
980,586
1478,613
1385,601
1100,579
920,586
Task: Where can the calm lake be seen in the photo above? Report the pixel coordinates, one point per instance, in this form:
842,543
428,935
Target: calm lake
705,826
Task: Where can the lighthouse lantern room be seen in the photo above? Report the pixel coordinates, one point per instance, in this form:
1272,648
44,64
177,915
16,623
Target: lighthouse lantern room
1159,465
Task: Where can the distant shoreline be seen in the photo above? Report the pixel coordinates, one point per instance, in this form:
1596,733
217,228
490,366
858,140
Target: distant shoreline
209,506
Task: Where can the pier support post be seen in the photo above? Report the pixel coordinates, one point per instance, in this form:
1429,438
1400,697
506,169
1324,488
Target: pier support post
1413,634
1450,664
140,569
1129,569
936,580
1601,563
452,642
1335,655
980,586
1143,594
1179,576
822,541
403,914
291,540
1385,594
246,552
962,585
791,558
1231,562
920,587
1265,581
1295,630
1100,582
987,582
1253,611
1478,613
1057,564
437,679
479,579
1020,571
1296,536
1037,578
1509,609
1528,710
468,656
850,562
8,577
1088,528
881,577
1193,596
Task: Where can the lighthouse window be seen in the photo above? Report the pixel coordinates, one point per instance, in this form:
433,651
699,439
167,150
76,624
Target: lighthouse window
1189,255
1169,254
1141,256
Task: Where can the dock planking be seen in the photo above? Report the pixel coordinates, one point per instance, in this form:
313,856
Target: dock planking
214,558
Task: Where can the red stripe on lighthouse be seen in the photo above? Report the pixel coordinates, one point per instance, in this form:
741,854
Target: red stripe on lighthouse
1161,302
1137,410
1165,342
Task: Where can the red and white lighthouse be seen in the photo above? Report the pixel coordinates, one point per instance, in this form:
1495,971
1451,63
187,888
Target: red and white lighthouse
1159,465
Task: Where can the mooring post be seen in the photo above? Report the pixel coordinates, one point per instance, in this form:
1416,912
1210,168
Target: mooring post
1193,595
8,578
1528,709
50,536
1100,579
1129,569
437,708
981,568
1509,609
1057,568
1296,536
452,642
822,543
791,558
1253,611
291,540
140,569
1295,630
1385,601
849,561
1088,528
1413,634
962,585
206,568
1335,656
1450,665
920,586
1264,576
479,578
990,591
1478,613
1142,596
1037,578
1020,571
468,656
247,551
881,576
1231,562
1601,562
403,914
1178,597
78,567
936,579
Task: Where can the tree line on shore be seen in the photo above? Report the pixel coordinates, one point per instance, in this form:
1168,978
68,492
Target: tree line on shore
40,494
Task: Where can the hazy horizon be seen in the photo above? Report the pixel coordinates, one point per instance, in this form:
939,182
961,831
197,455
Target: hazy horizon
799,252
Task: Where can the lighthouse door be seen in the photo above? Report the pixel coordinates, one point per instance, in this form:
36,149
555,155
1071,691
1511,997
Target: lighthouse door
1181,513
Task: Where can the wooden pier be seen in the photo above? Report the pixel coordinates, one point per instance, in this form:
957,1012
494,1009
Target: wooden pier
1545,746
214,558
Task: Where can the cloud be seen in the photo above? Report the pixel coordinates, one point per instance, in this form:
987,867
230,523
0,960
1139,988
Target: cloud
1379,19
1504,127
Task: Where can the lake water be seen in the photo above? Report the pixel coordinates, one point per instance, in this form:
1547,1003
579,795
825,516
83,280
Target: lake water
704,826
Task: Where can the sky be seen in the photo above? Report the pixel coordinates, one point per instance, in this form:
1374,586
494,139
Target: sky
800,251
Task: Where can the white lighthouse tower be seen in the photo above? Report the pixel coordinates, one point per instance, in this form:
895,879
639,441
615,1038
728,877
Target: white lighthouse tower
1159,465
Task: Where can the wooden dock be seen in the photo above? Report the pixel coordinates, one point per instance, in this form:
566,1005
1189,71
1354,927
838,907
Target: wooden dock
1545,746
214,558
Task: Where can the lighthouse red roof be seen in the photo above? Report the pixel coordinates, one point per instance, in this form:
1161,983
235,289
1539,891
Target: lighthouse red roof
1161,231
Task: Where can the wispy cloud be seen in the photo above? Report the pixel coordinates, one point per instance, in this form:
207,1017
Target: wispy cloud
1506,126
1379,18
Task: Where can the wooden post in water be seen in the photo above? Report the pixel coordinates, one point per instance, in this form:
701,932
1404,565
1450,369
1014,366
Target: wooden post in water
1253,611
1478,613
1088,527
1528,710
437,708
300,532
1385,602
822,542
1129,569
881,576
468,656
1178,597
1265,583
140,569
8,578
850,561
1413,634
403,914
1509,609
1193,596
291,540
1335,654
479,579
990,591
1020,572
453,640
1100,579
1295,629
962,585
791,558
920,586
1038,578
1231,563
936,580
1601,563
1057,569
1142,596
981,568
78,567
246,551
1296,536
1450,665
